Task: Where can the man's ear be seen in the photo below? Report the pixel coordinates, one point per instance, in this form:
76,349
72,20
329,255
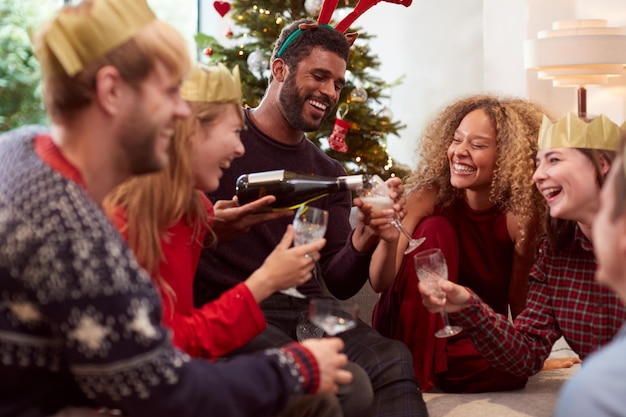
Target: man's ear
109,89
279,70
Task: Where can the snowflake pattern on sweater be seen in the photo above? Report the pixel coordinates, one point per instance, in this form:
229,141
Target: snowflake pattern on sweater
60,261
80,321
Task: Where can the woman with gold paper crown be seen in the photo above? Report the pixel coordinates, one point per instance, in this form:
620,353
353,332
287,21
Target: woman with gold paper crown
598,388
563,298
166,216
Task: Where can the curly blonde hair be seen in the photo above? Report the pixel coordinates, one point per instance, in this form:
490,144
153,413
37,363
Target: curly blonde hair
517,122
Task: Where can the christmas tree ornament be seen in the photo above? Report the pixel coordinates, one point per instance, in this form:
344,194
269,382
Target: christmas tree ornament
257,63
313,7
385,112
337,139
222,7
207,51
228,33
358,95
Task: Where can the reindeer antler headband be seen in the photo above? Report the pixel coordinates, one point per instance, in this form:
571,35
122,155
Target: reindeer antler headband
328,7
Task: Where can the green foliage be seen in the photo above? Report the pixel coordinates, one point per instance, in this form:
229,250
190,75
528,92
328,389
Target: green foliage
257,24
20,86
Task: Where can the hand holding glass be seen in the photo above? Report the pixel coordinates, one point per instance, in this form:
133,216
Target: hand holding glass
309,225
375,192
431,268
332,316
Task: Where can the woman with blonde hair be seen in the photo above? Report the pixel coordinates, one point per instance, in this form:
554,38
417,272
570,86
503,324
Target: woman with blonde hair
471,196
166,216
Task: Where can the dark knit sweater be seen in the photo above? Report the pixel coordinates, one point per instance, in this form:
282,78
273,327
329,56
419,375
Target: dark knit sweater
80,321
344,269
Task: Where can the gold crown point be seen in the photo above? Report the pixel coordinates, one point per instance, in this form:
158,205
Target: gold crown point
573,132
78,36
214,84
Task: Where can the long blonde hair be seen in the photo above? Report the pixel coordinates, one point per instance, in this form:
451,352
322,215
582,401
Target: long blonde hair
153,203
517,124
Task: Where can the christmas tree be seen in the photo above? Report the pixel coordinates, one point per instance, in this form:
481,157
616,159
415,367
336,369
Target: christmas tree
255,27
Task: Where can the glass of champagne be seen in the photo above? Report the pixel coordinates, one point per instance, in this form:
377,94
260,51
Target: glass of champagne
309,225
431,268
375,193
333,316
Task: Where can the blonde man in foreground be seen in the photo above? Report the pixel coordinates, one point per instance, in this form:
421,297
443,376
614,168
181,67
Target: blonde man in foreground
79,320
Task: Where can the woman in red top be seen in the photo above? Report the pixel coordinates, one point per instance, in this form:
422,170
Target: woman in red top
166,216
472,196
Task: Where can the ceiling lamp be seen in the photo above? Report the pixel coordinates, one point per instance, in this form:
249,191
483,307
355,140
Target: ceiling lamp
577,53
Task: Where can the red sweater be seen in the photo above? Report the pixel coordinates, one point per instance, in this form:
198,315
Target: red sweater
219,326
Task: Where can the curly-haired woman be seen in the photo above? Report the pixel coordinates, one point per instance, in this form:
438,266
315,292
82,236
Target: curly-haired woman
564,300
472,196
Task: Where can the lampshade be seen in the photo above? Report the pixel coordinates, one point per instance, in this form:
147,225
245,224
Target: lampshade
577,53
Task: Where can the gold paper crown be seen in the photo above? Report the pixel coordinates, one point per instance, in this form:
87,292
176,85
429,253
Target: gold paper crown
572,132
212,84
77,38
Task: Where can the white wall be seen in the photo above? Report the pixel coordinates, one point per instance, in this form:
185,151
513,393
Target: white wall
437,47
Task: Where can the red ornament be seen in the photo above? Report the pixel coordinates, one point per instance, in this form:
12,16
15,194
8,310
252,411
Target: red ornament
222,7
229,33
207,51
337,139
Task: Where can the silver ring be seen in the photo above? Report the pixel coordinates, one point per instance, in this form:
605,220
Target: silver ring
309,256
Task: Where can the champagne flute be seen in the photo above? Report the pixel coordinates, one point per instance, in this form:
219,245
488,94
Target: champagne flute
333,316
309,225
375,192
431,268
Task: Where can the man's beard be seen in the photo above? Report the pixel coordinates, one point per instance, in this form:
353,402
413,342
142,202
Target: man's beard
293,104
139,138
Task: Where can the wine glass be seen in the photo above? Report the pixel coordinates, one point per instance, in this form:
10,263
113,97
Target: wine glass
305,329
375,192
333,316
309,225
431,268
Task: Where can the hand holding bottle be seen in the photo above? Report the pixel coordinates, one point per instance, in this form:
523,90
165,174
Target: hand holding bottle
292,190
287,266
232,220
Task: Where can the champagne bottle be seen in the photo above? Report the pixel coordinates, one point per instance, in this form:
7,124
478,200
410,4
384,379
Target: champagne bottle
290,189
